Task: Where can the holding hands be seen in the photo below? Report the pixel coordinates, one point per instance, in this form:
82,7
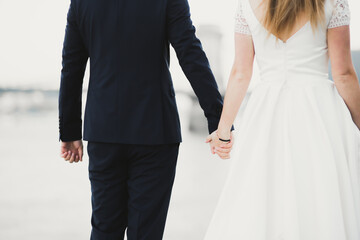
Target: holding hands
219,143
72,151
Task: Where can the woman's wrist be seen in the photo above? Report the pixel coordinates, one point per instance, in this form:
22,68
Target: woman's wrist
224,134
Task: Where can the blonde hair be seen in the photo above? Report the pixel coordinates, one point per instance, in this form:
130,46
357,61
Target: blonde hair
282,15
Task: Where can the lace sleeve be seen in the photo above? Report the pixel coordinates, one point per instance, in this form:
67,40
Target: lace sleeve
241,25
341,14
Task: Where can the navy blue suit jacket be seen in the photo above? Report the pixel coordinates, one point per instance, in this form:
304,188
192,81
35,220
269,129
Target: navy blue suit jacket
130,96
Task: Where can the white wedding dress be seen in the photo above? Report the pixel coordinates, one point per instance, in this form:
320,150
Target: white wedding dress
295,162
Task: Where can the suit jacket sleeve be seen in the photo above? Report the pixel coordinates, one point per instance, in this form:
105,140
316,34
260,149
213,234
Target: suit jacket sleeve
74,59
193,61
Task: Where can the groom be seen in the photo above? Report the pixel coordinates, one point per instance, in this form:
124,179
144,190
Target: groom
131,121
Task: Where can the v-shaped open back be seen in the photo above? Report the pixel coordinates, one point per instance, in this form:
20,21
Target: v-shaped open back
303,55
294,33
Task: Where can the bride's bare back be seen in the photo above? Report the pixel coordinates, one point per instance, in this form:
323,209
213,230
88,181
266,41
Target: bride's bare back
259,8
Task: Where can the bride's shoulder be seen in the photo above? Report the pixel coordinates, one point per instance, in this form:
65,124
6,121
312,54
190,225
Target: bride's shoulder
339,2
337,6
338,12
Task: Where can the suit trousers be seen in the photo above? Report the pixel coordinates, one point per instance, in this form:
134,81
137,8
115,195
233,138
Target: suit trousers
130,189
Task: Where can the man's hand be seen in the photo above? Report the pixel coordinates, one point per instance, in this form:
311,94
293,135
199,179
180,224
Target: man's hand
72,151
222,149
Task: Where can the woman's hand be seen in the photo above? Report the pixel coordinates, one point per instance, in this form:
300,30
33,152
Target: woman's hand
72,151
222,149
238,83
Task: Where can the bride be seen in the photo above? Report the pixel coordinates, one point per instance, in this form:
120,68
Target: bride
295,167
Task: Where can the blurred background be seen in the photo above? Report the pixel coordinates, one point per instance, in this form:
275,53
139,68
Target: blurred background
44,197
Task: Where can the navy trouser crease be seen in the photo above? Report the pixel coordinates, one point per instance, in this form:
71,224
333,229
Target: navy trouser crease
131,187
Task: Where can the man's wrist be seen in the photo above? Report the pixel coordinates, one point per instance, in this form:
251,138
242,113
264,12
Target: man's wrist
69,138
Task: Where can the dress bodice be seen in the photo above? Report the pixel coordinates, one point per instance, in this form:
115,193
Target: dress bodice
303,55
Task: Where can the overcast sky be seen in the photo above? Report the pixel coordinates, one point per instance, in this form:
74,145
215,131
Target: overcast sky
32,34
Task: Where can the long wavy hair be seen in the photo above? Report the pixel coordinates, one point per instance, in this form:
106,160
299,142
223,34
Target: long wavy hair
282,15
